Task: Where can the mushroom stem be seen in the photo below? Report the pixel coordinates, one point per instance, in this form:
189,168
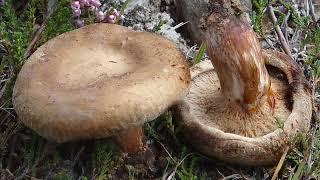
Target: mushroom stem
131,140
236,54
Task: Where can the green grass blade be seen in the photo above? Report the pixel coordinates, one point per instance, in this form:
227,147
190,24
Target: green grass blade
299,171
123,8
200,54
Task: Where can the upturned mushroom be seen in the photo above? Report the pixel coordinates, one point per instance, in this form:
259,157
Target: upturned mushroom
237,110
99,81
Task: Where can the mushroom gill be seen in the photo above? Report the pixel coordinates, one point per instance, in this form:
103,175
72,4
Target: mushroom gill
237,110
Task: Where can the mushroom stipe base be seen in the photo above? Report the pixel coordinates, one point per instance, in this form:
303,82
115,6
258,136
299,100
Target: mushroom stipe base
221,129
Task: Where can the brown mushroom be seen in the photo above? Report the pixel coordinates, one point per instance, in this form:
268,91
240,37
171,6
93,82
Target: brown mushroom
98,81
233,109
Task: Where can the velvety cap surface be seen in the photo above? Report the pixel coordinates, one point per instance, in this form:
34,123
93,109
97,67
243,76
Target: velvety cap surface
97,80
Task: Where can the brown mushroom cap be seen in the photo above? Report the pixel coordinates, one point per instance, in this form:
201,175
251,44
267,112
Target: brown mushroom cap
220,129
98,80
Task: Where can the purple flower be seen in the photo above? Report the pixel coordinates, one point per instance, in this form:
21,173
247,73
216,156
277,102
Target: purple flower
79,22
75,5
95,3
100,16
85,3
282,9
76,12
93,8
111,19
116,12
1,2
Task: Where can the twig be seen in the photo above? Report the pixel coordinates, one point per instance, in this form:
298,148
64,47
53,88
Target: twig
35,39
306,5
180,24
233,176
39,33
285,25
315,82
76,158
295,36
193,48
279,166
312,13
8,112
168,153
175,169
269,42
10,173
310,162
282,39
7,46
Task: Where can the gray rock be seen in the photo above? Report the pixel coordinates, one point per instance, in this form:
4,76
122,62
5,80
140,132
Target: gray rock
145,15
191,12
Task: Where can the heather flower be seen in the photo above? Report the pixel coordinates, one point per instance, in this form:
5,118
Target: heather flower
95,3
1,2
100,16
85,3
116,12
111,19
282,9
76,12
96,7
75,5
79,22
93,8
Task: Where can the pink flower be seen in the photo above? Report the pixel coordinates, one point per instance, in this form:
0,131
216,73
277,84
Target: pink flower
75,5
93,8
116,12
76,12
111,19
96,3
79,22
85,3
100,16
